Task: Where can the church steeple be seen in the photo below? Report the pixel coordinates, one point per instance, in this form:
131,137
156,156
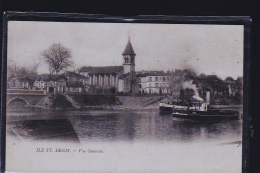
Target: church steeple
129,49
129,58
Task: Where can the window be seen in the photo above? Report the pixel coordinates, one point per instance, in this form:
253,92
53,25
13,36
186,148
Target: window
156,84
156,78
131,60
150,79
42,84
126,60
163,78
150,85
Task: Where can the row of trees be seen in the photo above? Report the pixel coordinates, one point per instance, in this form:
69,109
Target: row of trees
57,58
14,69
220,89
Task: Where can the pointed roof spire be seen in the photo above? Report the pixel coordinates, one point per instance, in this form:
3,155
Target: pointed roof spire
129,48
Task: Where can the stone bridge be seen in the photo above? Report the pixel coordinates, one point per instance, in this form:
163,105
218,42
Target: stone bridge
30,97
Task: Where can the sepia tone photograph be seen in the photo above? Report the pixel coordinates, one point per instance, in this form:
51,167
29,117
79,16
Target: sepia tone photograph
124,97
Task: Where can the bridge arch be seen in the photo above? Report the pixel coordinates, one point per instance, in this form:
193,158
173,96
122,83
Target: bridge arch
18,98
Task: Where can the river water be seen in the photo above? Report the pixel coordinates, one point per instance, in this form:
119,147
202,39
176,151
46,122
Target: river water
139,125
173,144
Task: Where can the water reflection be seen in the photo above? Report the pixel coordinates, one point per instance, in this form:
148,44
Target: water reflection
150,126
139,125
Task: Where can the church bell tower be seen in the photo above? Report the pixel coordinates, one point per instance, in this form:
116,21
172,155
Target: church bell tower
129,59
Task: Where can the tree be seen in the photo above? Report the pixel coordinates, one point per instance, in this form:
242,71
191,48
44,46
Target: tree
216,84
231,84
14,69
57,58
11,68
34,67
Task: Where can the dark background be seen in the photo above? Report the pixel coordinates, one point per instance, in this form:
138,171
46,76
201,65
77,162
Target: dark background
173,7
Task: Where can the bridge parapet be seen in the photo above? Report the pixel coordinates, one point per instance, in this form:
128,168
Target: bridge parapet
25,92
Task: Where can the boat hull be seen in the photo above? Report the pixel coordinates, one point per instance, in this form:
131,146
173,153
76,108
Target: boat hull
206,115
165,108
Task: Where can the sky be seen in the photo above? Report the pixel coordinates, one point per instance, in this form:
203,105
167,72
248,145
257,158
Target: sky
209,49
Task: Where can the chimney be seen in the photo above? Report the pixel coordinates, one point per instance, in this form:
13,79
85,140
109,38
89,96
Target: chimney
181,95
208,97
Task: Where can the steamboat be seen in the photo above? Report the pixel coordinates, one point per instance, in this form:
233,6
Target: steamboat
196,109
202,111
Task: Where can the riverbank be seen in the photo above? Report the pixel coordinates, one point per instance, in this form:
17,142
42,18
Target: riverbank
101,102
86,102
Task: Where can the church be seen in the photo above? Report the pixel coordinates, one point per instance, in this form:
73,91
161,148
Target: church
113,79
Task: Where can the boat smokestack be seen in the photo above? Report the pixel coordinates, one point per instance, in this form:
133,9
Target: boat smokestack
208,97
181,95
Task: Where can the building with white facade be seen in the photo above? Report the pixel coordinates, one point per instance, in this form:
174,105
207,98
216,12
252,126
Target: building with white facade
50,83
20,82
154,82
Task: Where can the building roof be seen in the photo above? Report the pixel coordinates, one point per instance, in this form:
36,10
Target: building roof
159,73
123,76
23,78
73,74
129,49
49,77
102,70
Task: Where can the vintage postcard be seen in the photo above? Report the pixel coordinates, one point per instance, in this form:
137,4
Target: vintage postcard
124,97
